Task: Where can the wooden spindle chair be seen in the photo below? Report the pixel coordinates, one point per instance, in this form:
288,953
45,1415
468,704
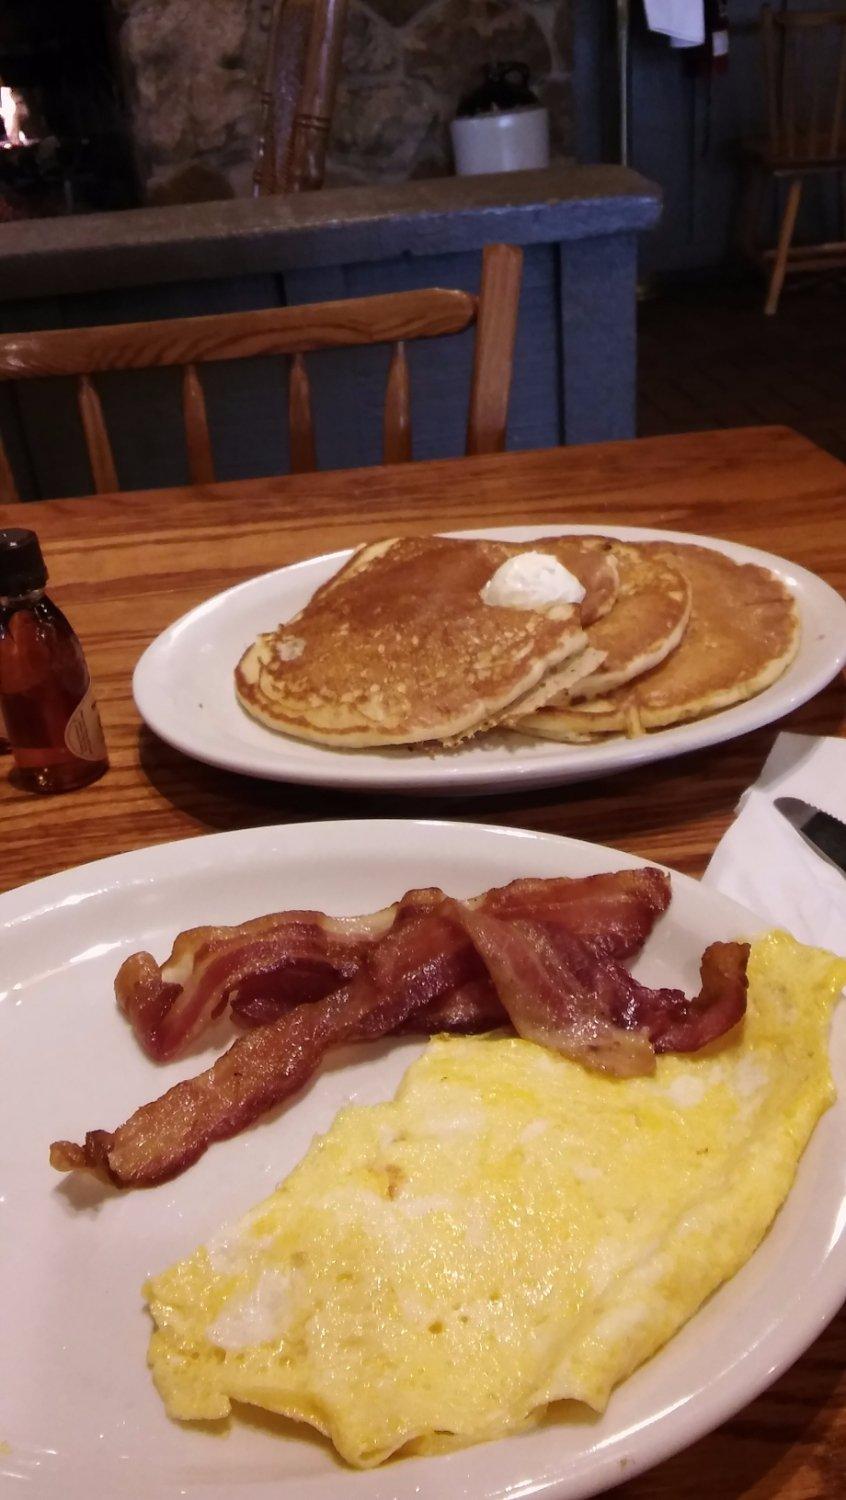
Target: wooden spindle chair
392,318
804,58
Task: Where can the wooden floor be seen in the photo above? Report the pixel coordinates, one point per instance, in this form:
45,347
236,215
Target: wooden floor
709,358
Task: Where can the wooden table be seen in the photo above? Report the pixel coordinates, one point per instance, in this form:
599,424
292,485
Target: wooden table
125,567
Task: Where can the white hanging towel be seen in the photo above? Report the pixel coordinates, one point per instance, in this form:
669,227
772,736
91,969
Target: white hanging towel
683,21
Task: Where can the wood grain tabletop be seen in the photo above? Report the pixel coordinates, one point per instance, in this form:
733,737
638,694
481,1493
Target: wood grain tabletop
124,567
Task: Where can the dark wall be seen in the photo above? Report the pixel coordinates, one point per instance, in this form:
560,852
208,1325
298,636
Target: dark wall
686,129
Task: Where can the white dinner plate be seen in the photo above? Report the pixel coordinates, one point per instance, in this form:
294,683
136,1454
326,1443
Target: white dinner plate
184,689
80,1417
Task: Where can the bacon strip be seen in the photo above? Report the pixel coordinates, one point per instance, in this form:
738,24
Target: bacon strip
427,971
688,1025
472,1007
613,912
548,1000
288,956
264,967
266,1066
259,1071
559,993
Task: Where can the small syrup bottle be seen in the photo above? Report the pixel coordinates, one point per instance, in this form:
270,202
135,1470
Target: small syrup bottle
46,699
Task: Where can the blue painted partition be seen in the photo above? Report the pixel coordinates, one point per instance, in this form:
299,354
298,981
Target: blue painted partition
575,358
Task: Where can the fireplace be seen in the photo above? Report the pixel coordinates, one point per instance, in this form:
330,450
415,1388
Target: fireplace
65,145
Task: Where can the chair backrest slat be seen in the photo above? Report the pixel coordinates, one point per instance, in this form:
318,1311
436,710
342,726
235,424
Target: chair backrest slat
197,440
302,452
812,85
789,70
347,323
396,447
804,55
493,356
391,318
8,489
100,457
771,82
836,131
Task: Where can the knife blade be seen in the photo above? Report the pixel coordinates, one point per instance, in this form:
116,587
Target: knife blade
823,833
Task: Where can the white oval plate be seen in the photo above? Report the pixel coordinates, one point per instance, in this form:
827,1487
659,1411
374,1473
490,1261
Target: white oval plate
80,1415
184,690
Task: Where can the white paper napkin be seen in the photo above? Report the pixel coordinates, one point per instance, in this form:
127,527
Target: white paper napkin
763,863
683,21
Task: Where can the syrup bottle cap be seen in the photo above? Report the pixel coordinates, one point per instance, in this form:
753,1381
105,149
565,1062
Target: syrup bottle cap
22,566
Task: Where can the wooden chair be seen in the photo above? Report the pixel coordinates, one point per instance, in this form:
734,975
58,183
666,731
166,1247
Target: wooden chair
293,331
301,78
804,55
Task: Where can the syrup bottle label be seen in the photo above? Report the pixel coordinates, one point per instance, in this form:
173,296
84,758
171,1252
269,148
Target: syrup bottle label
84,732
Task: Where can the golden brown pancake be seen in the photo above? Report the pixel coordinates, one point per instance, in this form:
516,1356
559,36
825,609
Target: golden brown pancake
398,648
647,622
591,559
742,633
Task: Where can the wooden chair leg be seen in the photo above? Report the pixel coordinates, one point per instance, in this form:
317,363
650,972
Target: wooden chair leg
785,237
8,489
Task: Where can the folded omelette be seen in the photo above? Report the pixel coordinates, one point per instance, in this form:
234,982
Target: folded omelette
510,1230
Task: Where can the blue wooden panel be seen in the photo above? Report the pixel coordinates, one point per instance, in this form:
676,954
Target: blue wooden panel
350,384
599,338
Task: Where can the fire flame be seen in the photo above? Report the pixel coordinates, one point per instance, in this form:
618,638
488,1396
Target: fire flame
9,108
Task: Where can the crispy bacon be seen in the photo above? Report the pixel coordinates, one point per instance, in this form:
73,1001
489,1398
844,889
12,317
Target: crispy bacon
688,1025
472,1007
558,992
287,958
264,967
613,912
258,1071
443,964
266,1066
546,997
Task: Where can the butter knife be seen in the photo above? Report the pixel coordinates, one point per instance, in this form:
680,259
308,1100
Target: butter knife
823,833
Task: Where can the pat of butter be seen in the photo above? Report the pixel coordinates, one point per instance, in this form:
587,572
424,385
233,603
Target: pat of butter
532,580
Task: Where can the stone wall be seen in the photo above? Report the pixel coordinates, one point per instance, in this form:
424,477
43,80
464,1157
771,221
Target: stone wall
408,62
193,69
192,72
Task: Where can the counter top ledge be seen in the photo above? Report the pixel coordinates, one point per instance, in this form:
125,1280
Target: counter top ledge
244,236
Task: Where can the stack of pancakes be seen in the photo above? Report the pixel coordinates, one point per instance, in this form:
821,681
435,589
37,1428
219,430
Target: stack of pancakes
398,647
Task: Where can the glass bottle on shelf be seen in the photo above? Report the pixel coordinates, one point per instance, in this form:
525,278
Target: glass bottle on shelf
46,698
